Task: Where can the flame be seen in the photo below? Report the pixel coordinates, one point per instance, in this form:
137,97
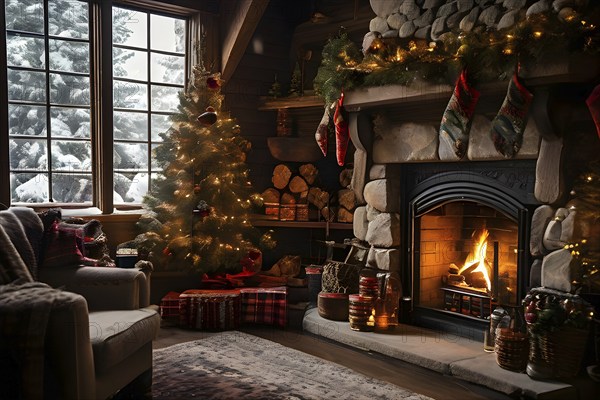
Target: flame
478,256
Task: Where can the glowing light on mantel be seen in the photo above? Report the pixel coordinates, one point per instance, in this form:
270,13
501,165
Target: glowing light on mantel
478,256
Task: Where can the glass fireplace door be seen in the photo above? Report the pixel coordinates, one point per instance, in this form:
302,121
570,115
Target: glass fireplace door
467,257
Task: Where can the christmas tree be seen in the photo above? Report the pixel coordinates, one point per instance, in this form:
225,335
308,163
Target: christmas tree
200,205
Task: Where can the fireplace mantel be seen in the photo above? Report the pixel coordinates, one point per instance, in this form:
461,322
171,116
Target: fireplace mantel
569,69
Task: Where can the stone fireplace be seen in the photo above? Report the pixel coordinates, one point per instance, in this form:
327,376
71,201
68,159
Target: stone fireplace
424,214
467,240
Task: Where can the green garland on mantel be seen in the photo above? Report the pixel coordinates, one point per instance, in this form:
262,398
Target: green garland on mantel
488,56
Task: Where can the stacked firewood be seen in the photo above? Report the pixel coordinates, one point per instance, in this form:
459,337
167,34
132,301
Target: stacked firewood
301,190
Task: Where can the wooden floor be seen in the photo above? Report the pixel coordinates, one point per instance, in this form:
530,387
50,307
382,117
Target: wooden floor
408,376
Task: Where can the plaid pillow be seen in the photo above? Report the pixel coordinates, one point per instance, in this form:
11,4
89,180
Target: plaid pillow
63,246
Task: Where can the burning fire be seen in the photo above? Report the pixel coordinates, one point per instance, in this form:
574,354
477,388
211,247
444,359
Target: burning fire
477,256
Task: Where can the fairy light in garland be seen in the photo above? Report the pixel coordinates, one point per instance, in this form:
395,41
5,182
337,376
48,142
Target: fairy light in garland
491,53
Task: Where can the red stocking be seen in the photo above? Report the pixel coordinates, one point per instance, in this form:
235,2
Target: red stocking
342,132
458,116
509,124
593,103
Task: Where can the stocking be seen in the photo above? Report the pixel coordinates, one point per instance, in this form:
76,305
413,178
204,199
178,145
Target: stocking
509,124
593,103
458,116
321,133
342,132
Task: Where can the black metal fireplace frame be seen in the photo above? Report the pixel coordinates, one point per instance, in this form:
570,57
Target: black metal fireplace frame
506,186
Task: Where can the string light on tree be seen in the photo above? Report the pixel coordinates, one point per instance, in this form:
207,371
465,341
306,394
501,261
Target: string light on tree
195,223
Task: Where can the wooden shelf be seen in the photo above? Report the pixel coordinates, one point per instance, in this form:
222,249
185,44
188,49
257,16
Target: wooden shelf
308,100
299,224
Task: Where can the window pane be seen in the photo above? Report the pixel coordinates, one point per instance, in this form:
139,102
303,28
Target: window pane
71,156
130,27
131,187
167,34
68,19
28,154
130,125
25,15
165,98
69,89
167,69
131,64
154,164
22,51
26,120
70,122
131,157
69,56
29,188
130,95
160,124
72,188
27,86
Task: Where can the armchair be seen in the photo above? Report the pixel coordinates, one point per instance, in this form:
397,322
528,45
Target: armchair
96,330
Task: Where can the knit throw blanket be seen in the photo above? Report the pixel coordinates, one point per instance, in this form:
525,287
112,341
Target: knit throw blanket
24,313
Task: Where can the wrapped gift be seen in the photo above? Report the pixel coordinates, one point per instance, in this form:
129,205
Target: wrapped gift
264,305
209,309
169,306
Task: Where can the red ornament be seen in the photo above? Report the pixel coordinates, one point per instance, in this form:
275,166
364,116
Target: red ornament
213,82
167,252
197,188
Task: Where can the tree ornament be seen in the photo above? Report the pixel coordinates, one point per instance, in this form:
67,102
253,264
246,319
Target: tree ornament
202,209
509,124
214,82
209,117
236,129
167,252
197,188
321,135
593,104
342,131
458,116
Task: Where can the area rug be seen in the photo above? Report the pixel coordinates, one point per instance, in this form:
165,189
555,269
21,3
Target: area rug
236,365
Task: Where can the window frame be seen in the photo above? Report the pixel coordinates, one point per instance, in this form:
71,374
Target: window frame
101,90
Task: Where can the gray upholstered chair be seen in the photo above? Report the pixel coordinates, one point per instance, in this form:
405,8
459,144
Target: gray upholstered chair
97,331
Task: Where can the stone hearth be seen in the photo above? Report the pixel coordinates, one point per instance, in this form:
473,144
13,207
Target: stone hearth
450,354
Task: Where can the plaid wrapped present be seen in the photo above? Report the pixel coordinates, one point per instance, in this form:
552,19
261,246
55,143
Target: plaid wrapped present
209,309
264,305
169,306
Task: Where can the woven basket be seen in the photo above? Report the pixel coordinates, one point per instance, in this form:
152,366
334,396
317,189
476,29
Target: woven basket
560,351
512,349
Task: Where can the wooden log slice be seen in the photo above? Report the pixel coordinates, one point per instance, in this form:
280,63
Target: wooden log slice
281,176
298,184
309,172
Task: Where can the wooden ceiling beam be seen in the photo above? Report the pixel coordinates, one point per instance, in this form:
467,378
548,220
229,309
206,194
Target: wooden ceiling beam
239,20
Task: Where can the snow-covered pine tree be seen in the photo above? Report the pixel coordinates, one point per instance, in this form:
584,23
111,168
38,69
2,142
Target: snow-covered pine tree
200,206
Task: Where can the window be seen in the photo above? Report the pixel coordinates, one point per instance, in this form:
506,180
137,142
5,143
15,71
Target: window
48,71
148,73
52,121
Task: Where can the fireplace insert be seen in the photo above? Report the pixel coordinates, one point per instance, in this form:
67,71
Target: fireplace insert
467,244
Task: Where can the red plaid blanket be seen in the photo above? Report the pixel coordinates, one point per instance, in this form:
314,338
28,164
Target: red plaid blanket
264,305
